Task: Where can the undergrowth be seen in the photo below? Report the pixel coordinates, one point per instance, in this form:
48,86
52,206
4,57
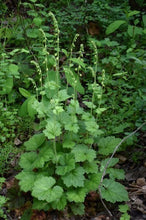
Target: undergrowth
79,93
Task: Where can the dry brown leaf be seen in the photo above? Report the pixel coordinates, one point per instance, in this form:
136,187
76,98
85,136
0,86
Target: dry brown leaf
38,215
10,183
101,217
17,141
141,182
121,158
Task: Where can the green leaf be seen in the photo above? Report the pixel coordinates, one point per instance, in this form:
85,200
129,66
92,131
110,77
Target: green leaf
121,127
44,189
133,31
2,202
112,163
133,13
74,107
62,95
90,167
68,144
107,145
130,30
92,127
24,50
73,80
72,127
23,109
125,216
76,195
70,123
60,203
24,92
86,116
37,21
89,104
51,63
100,110
13,52
39,162
27,213
7,86
82,153
74,178
35,141
2,180
27,160
27,108
26,180
31,160
78,208
53,129
113,191
46,151
92,183
32,33
30,109
65,52
67,163
123,208
13,70
33,1
78,61
114,26
40,205
116,173
88,141
51,84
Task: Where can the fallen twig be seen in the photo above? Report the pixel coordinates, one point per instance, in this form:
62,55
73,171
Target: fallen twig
108,162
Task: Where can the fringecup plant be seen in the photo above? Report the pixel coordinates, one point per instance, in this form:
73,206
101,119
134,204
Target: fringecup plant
59,166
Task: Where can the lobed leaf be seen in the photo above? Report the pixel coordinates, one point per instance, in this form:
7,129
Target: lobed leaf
67,163
74,107
92,183
40,205
74,178
116,173
78,208
27,160
107,145
92,127
44,189
53,129
112,163
76,195
113,191
62,95
26,180
90,167
68,144
35,142
83,153
60,203
7,86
